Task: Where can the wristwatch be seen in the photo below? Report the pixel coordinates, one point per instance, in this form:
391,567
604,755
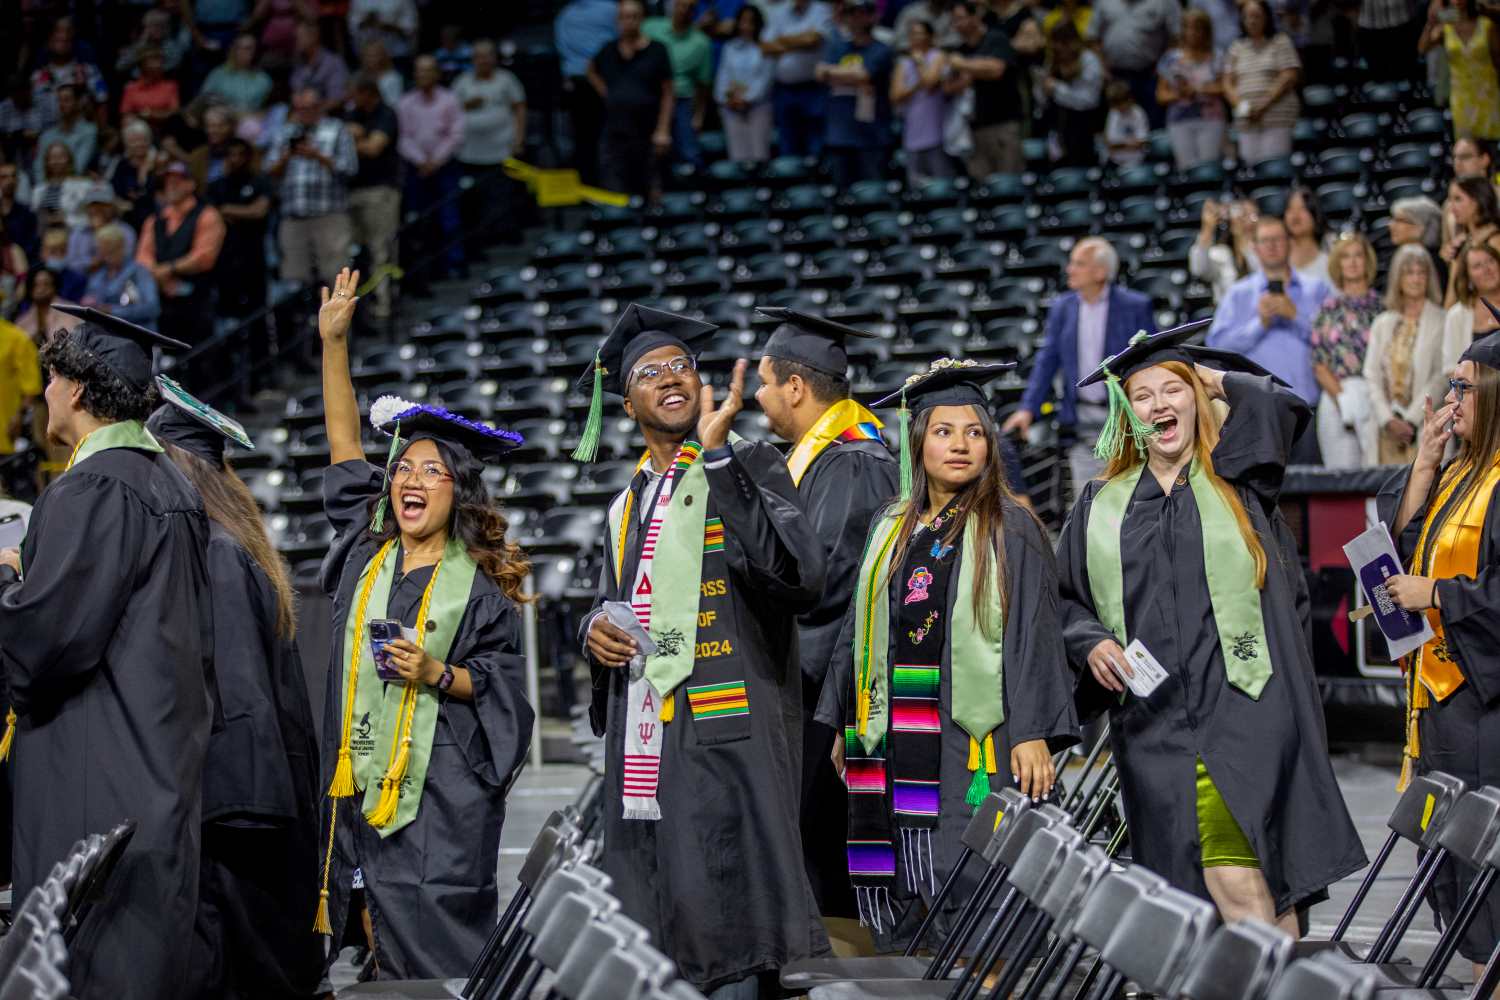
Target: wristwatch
446,681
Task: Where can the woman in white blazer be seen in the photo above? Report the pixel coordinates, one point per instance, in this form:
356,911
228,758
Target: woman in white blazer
1405,361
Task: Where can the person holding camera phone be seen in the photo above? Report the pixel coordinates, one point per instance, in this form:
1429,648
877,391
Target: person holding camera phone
260,794
1471,41
1267,316
1224,251
434,738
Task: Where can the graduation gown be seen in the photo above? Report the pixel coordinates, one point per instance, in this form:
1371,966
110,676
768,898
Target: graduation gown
844,487
431,886
105,646
1038,693
1461,733
1267,757
719,880
258,888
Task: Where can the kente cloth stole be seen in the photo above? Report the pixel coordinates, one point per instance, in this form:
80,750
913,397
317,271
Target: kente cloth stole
677,542
1227,562
1447,547
845,420
893,750
124,434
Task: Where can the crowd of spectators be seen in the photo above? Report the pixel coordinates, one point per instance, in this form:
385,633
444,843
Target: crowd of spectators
959,84
172,161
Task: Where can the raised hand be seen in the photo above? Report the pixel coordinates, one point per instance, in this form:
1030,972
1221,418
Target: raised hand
714,423
337,311
1437,428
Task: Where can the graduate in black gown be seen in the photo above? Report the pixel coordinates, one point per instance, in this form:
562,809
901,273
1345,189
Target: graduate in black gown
844,473
709,553
1228,789
949,679
105,645
1446,523
422,549
256,885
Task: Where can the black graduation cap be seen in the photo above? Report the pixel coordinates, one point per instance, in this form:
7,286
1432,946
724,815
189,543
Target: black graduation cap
120,345
193,425
810,340
1485,350
946,382
405,421
1145,350
639,331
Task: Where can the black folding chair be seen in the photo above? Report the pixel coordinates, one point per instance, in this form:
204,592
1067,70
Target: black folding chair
1062,901
1157,936
39,971
993,822
1326,977
520,963
99,864
588,953
1103,908
1241,962
626,974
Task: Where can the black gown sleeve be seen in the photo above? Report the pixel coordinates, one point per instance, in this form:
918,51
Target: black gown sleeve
838,680
1470,610
768,541
1388,507
1255,442
494,729
348,488
1081,628
852,489
1038,682
78,557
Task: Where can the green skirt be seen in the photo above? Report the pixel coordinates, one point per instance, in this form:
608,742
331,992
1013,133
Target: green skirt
1224,843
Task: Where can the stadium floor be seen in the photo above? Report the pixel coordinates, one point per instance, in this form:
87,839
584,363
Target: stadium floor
1368,780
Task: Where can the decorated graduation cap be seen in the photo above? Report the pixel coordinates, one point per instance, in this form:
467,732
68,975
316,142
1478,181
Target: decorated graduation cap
639,331
120,345
946,382
1146,351
810,340
193,425
406,421
1485,350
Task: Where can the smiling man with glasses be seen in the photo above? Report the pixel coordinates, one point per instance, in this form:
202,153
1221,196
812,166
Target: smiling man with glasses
708,557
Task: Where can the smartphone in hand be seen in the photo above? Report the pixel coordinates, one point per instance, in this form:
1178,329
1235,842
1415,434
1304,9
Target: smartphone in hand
381,632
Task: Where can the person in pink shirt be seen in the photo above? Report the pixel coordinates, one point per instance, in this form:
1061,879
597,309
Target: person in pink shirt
431,130
152,95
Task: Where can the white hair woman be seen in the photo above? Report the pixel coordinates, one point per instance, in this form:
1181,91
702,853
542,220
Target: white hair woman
1404,359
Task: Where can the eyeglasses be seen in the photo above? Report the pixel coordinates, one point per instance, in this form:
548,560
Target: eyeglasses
649,375
1460,388
430,473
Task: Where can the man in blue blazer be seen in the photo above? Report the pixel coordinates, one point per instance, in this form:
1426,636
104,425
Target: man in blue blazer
1093,320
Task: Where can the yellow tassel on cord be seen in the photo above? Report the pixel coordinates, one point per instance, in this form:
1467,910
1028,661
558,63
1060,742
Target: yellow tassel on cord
864,711
1417,699
989,754
342,786
321,923
668,708
9,739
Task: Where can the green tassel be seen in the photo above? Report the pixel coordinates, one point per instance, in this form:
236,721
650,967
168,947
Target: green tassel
377,523
979,787
588,441
904,429
1120,423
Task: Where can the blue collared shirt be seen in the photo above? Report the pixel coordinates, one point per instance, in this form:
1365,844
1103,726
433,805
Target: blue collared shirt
1282,348
129,293
581,30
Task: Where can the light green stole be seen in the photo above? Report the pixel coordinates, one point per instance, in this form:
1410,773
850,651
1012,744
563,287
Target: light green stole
977,671
1227,563
377,704
124,434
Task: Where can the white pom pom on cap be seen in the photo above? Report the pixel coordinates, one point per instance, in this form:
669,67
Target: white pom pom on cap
385,410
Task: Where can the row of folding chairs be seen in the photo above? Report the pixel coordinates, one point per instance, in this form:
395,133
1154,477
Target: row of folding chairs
33,952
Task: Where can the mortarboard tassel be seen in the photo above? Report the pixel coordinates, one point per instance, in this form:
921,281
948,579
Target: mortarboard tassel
588,441
1120,423
904,429
9,739
377,523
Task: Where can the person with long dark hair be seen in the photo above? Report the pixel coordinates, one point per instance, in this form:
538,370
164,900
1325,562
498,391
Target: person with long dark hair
1446,522
1471,216
1178,552
260,794
950,678
426,717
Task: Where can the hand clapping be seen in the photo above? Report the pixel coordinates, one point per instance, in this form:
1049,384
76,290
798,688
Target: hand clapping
714,423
